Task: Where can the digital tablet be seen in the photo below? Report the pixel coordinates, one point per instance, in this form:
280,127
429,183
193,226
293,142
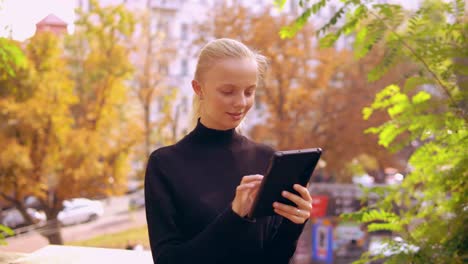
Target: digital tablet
286,169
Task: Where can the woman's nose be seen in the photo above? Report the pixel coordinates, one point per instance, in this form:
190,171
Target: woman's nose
240,101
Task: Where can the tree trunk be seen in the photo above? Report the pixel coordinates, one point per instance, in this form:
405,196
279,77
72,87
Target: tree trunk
175,123
52,232
147,130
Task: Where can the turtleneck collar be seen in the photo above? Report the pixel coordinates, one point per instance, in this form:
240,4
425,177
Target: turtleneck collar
205,135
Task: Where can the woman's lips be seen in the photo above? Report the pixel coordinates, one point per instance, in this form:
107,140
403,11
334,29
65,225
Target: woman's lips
235,116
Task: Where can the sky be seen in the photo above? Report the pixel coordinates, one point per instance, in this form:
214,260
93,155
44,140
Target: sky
21,16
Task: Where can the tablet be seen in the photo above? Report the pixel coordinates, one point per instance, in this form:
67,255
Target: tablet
286,169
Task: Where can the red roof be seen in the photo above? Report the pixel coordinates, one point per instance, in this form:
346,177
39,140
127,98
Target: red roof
52,20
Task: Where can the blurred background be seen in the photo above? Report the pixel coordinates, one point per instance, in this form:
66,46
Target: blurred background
89,88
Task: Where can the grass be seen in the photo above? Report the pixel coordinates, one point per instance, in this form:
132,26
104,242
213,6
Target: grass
117,240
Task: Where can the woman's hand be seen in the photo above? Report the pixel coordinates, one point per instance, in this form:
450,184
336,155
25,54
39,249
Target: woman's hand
297,214
245,194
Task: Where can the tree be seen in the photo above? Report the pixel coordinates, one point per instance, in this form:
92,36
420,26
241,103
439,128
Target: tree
306,99
99,64
153,54
11,60
36,126
11,57
342,133
428,210
67,134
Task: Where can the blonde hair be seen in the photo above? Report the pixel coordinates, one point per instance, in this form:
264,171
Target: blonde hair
220,49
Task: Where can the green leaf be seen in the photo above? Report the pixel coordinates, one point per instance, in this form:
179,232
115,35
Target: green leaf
333,20
387,62
291,30
389,132
354,216
367,112
415,81
397,109
354,19
11,57
279,3
373,130
379,215
328,40
6,230
421,97
315,8
360,49
383,227
287,32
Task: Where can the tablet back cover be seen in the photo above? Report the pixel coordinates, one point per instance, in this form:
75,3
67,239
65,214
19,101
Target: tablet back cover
286,169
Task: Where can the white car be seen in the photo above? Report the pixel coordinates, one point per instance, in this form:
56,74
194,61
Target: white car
80,210
13,218
137,201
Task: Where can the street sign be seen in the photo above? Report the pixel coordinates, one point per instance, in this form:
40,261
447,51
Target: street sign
319,206
322,241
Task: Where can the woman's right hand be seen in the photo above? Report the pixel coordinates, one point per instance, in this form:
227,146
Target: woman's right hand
245,194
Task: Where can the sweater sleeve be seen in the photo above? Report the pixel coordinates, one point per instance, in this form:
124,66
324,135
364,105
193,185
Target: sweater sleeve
168,244
282,244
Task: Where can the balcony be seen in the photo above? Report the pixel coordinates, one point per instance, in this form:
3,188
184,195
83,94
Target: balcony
77,255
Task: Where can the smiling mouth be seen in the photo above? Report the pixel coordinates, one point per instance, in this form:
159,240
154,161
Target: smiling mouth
236,116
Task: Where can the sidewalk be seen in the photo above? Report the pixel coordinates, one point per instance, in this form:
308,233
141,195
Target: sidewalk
106,225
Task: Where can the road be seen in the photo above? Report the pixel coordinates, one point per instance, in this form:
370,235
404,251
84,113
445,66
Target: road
116,218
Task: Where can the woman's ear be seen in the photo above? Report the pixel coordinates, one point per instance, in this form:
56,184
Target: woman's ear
197,88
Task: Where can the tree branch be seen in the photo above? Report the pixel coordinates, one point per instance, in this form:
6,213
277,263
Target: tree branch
418,57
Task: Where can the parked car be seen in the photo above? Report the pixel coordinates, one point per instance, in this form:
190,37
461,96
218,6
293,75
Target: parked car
13,218
134,186
32,201
80,210
137,200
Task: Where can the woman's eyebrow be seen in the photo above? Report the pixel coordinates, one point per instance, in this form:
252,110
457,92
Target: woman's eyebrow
235,86
227,85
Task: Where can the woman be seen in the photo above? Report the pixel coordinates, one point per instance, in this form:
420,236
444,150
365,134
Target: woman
199,191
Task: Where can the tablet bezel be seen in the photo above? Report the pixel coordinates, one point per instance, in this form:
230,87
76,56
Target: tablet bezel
303,179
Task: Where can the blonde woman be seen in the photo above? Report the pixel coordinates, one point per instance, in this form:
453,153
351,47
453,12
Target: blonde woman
199,190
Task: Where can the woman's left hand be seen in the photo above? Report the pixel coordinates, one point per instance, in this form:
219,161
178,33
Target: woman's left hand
298,214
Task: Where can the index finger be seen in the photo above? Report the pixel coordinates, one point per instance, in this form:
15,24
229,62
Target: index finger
303,192
250,178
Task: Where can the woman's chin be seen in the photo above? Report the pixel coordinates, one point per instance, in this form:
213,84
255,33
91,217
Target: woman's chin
231,124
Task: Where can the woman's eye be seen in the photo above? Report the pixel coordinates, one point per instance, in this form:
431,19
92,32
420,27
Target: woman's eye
226,92
249,93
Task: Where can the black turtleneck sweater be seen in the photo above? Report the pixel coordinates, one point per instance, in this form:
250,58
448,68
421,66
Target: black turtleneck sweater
189,188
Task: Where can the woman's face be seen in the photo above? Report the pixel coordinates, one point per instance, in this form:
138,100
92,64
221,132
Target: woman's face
227,91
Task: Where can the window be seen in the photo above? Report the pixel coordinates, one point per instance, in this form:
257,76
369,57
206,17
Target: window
162,26
184,68
185,104
184,31
164,69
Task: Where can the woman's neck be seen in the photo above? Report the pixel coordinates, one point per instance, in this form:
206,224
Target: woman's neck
206,122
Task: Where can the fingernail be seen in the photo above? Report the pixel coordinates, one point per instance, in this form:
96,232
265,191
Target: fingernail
284,193
275,204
